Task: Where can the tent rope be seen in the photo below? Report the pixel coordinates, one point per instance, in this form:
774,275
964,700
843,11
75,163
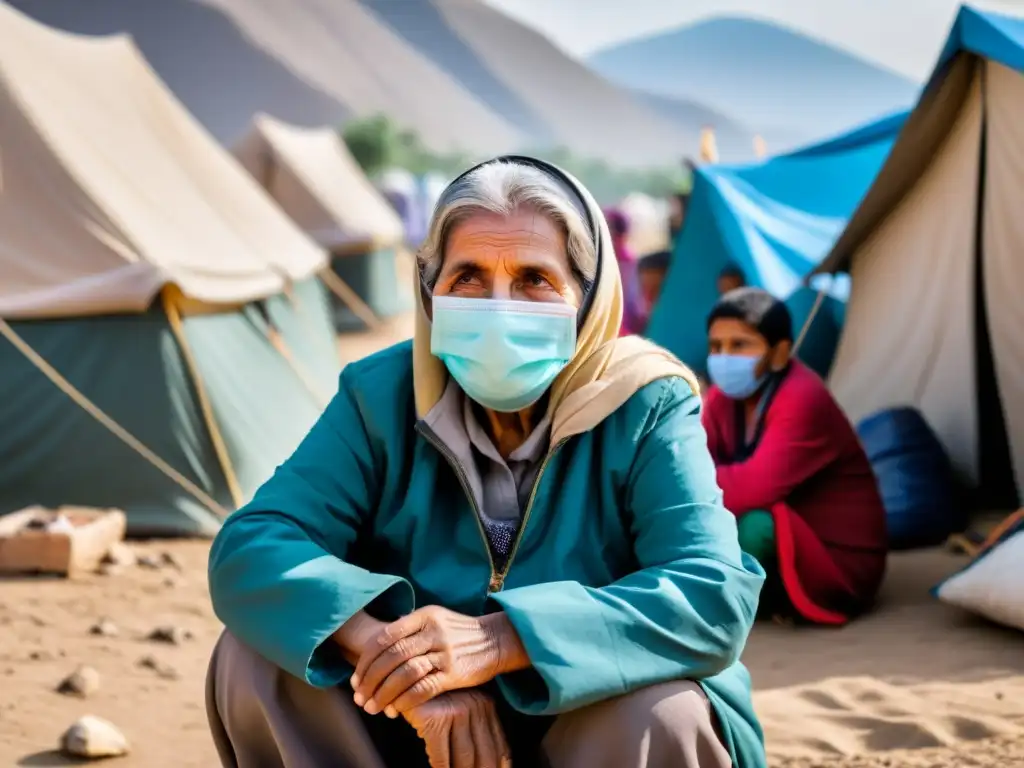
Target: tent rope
350,298
818,301
106,421
282,348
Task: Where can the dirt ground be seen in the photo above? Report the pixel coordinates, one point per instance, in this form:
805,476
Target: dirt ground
153,691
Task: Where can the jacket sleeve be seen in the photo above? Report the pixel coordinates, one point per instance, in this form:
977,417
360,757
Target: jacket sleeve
797,444
278,576
685,613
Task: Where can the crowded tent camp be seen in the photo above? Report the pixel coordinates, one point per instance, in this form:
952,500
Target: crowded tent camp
315,180
362,407
772,221
147,276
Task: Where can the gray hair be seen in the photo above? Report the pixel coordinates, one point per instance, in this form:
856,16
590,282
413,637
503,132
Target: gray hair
504,187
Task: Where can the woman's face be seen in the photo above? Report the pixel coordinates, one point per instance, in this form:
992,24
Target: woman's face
522,257
728,336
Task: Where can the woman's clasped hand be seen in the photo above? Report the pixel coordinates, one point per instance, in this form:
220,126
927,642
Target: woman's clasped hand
423,666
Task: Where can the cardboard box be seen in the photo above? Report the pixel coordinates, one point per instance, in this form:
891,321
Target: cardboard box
26,546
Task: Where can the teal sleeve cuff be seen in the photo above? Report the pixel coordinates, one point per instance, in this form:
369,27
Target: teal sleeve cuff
569,645
326,666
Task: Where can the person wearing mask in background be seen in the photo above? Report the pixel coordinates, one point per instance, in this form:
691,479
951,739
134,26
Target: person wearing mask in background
500,541
730,278
790,466
634,316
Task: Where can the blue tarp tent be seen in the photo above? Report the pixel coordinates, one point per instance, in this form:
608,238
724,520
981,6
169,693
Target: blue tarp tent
775,220
935,251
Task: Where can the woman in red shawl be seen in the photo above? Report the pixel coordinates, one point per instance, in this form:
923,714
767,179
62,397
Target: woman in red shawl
790,466
634,318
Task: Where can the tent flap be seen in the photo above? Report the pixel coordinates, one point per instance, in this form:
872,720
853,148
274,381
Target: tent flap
54,453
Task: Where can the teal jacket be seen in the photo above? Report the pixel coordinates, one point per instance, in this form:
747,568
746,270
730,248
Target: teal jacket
628,571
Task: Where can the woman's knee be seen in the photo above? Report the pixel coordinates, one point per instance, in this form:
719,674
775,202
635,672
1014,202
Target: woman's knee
238,678
673,721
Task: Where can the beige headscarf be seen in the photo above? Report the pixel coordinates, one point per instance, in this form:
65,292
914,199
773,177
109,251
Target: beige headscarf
606,370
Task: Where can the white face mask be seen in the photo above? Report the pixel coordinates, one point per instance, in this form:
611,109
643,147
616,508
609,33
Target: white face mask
504,354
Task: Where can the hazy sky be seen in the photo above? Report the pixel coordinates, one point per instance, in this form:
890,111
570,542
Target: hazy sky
904,35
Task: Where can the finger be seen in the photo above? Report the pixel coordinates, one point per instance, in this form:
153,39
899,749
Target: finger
420,692
385,637
485,750
500,742
439,750
390,659
463,754
399,681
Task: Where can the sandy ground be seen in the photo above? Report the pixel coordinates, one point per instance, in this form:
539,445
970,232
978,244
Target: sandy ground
916,684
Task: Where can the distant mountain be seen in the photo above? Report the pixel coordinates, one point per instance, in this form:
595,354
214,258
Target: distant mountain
307,62
771,79
521,75
735,141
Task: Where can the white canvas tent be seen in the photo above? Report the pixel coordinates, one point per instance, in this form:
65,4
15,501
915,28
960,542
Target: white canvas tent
936,256
160,283
315,180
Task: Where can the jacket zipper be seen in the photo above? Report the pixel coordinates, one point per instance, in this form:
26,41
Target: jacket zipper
497,579
498,583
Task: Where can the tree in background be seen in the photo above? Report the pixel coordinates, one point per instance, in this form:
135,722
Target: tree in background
377,144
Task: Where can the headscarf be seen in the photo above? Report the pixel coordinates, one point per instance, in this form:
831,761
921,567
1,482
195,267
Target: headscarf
758,309
606,370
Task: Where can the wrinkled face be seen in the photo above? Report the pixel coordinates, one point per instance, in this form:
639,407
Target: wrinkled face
522,257
729,336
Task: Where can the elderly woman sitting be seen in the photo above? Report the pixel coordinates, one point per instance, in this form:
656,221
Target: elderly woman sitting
503,541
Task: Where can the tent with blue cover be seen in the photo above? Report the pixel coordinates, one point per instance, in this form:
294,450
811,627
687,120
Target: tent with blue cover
775,220
935,253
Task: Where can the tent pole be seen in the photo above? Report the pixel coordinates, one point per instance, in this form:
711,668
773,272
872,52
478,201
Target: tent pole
106,421
350,298
282,348
818,301
219,448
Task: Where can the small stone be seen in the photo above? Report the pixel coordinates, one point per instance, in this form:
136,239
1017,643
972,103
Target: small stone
999,695
170,559
83,682
148,561
170,582
93,737
170,634
110,569
165,671
104,628
40,656
120,554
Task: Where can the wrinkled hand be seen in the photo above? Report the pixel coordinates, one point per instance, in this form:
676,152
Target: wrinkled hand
425,654
356,634
461,730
